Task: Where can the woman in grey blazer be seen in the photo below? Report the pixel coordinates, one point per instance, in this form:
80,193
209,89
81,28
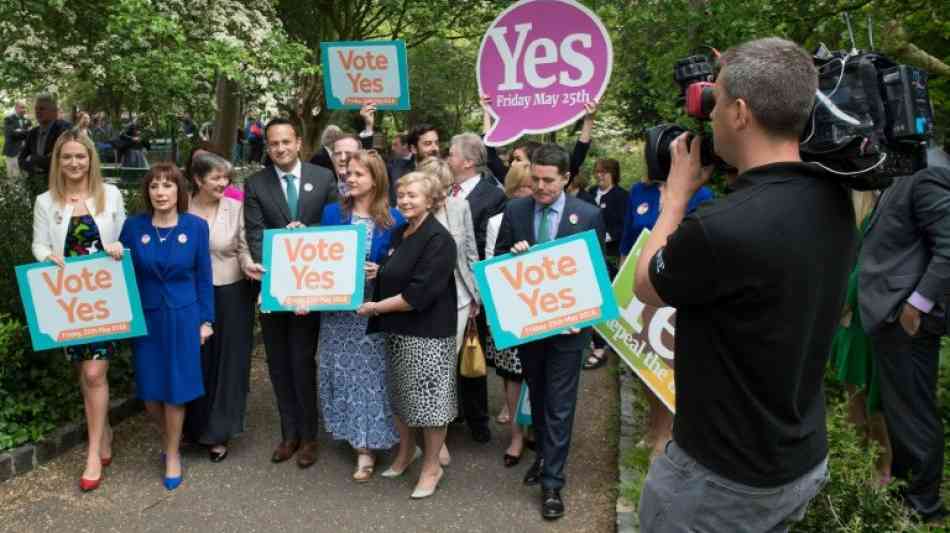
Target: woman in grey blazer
456,216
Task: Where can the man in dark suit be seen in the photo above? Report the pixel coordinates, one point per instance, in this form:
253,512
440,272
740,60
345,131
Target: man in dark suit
552,365
328,157
467,159
423,142
902,291
15,129
290,194
34,158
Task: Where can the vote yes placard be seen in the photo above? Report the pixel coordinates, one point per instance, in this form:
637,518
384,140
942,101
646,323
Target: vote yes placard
365,72
94,298
553,287
317,269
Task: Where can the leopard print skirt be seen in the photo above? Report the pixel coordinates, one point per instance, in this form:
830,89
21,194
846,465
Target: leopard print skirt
422,385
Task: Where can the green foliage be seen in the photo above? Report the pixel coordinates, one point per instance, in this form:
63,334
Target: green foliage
16,217
851,502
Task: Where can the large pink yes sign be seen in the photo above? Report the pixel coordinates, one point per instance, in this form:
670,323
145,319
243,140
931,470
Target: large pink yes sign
540,62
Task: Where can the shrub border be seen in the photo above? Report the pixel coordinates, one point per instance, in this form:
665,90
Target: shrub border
628,521
25,458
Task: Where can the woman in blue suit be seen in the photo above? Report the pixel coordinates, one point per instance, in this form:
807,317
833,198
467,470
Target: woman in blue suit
354,398
169,249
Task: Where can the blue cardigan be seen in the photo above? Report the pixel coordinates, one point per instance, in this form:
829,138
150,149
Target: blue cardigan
333,215
643,209
176,279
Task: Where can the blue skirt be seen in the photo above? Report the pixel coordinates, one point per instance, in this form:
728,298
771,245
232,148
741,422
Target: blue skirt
168,359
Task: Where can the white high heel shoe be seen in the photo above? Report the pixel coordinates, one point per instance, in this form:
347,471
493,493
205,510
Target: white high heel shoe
391,473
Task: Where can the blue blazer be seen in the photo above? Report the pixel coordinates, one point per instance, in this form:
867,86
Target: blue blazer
333,215
179,278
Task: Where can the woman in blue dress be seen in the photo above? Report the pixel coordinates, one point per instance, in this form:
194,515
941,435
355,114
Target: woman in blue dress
169,249
354,397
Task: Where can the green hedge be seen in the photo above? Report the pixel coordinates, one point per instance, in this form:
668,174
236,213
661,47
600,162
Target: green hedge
38,390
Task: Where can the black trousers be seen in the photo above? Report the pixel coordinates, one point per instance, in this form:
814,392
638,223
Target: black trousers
473,392
908,373
552,369
291,344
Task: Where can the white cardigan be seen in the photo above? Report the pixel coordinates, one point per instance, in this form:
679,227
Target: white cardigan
51,221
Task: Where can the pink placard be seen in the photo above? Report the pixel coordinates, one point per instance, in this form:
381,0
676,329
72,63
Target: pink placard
540,62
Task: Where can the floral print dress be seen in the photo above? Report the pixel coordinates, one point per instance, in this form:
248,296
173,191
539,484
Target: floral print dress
82,238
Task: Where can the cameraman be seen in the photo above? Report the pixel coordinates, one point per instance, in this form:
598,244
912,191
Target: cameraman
758,279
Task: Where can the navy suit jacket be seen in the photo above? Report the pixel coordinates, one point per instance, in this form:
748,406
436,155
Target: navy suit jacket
333,215
32,163
517,225
265,205
178,278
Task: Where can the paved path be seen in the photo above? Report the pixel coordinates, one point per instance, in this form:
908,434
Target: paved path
248,493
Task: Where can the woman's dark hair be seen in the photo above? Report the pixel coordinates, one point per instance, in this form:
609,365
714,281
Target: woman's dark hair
610,166
202,146
163,171
528,147
203,164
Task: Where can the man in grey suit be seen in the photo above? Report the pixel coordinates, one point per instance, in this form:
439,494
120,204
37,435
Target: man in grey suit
552,366
290,194
903,288
15,129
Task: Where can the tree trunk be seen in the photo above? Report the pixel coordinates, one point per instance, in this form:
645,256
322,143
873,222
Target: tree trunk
227,117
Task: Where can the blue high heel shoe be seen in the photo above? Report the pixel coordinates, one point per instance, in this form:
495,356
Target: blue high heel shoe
172,483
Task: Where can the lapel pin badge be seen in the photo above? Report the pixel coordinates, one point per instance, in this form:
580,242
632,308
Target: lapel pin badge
182,238
643,208
58,217
572,219
146,239
308,187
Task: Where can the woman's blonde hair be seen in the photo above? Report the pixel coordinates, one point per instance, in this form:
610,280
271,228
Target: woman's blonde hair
431,187
440,170
863,205
57,184
379,207
517,172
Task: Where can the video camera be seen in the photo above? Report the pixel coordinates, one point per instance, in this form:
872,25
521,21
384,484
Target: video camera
870,123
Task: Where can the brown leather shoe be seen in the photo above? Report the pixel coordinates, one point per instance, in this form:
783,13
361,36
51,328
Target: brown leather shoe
285,451
307,455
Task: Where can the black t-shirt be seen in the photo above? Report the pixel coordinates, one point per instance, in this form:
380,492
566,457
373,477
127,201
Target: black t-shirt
421,268
758,279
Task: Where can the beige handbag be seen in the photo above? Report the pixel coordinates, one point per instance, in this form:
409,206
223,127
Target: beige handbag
473,358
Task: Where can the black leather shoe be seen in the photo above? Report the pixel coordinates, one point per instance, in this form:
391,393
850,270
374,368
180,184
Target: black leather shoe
533,475
552,507
481,434
511,460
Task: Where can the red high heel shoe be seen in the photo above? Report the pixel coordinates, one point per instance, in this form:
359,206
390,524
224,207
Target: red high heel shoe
88,485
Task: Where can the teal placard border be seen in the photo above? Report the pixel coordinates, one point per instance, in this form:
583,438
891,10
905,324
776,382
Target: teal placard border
335,103
270,304
42,341
505,339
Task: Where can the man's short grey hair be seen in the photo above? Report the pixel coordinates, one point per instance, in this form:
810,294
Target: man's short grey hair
48,99
331,134
777,79
471,148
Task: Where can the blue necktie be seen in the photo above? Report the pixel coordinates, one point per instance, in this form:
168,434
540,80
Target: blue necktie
291,194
